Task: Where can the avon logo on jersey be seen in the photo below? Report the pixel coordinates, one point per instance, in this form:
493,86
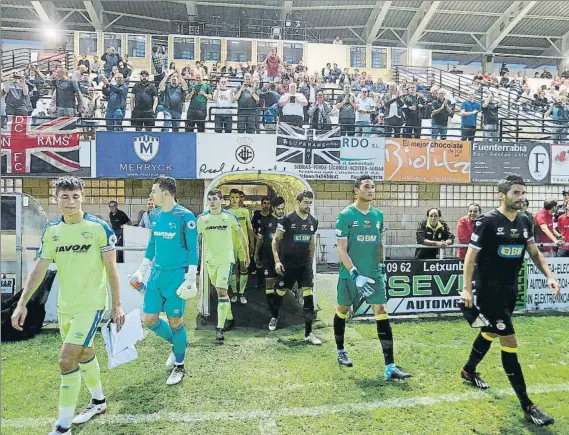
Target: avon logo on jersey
301,238
78,249
216,227
510,251
164,234
367,238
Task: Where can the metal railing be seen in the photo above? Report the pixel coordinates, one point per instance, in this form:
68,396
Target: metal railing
20,59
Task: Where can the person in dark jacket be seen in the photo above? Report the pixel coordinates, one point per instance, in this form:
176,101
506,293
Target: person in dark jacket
433,232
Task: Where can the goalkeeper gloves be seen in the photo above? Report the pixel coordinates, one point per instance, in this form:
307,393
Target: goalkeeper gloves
188,289
136,279
362,283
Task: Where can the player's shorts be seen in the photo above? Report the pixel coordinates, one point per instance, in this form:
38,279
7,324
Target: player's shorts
348,293
161,293
220,274
239,254
79,328
302,275
497,305
267,265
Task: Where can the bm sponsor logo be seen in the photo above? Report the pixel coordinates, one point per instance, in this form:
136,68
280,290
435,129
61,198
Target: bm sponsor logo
510,251
367,238
73,248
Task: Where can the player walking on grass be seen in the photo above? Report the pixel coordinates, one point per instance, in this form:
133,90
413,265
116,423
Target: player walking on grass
83,248
173,252
362,272
293,260
217,228
497,247
264,255
236,207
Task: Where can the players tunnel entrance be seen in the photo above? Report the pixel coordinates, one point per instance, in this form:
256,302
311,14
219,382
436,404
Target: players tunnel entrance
254,314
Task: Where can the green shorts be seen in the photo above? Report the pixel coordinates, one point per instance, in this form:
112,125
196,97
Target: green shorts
79,328
348,293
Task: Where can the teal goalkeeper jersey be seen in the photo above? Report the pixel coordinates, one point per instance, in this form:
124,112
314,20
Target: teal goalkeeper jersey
363,233
173,239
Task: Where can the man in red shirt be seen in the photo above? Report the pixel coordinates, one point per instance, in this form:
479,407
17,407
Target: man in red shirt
465,226
544,221
563,227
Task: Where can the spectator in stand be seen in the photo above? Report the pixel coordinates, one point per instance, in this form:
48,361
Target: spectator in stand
432,232
347,106
546,74
118,220
335,72
525,98
197,111
525,211
465,226
468,112
505,81
66,93
143,103
320,113
454,70
563,207
96,68
393,112
365,107
89,110
540,101
124,70
440,114
309,90
116,94
84,83
490,119
563,229
247,98
560,116
35,80
270,99
111,59
127,61
174,88
17,92
292,104
413,105
546,232
78,73
144,220
337,41
84,61
223,101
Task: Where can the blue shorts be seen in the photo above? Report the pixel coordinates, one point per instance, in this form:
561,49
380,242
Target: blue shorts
161,293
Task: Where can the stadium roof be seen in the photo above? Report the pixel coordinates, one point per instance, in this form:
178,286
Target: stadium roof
525,32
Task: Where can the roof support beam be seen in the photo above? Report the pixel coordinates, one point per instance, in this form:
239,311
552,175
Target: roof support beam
191,11
42,13
287,9
506,23
559,48
95,11
375,21
419,22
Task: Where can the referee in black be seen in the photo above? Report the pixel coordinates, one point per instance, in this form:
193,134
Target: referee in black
497,247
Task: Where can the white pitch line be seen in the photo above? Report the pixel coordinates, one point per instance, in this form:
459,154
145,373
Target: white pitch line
268,415
268,426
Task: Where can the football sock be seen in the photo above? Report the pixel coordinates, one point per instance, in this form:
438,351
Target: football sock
91,372
279,297
233,283
480,348
68,395
228,313
179,338
515,376
271,296
222,305
308,311
162,329
243,279
339,329
385,337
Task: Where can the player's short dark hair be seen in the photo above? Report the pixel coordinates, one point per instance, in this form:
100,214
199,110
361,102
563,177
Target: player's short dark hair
235,191
68,183
241,193
166,183
358,181
437,209
265,198
277,201
475,204
304,194
526,203
508,181
549,204
215,192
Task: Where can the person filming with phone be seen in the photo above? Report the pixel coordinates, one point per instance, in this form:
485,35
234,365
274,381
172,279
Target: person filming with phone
292,103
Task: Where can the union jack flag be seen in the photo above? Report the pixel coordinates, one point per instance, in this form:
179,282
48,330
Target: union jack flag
50,147
307,146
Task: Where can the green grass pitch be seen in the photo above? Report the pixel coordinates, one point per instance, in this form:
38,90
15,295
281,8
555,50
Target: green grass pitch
272,383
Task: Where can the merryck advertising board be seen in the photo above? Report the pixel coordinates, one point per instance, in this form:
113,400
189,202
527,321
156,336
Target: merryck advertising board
427,160
539,297
559,164
323,155
218,153
145,154
491,161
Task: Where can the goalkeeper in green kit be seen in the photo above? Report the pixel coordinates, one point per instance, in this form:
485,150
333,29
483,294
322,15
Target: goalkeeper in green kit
362,272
